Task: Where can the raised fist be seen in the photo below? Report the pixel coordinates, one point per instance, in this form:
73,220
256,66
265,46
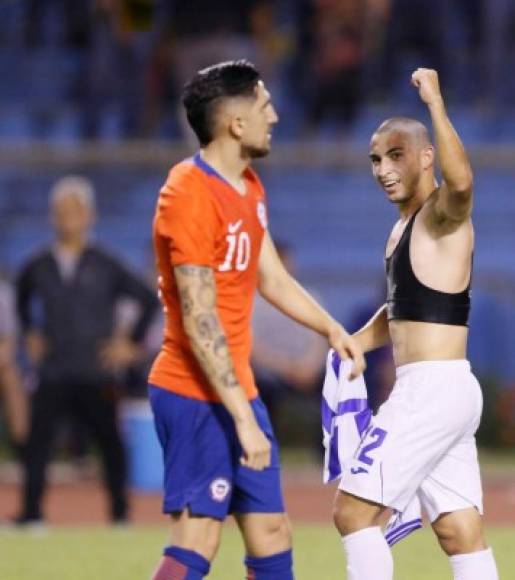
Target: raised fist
426,81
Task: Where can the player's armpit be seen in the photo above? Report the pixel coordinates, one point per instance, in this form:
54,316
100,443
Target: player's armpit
451,208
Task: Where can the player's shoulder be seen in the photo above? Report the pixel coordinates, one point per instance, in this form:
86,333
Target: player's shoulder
184,179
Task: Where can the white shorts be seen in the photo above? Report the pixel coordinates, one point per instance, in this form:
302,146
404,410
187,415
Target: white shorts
421,442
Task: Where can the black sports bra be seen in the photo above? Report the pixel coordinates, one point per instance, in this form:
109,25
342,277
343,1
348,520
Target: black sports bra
409,299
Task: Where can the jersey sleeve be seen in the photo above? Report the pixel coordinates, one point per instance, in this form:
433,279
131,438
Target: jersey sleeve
187,218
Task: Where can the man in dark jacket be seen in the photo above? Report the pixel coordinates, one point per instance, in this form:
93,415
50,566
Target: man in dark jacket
67,296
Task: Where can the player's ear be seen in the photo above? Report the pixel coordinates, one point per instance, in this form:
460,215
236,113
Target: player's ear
236,126
427,157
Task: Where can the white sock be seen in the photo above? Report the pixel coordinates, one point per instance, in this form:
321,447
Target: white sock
474,566
368,555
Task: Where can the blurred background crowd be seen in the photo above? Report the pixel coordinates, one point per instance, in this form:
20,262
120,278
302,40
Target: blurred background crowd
92,88
115,68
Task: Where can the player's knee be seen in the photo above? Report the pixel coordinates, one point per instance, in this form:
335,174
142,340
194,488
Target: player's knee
460,537
210,546
273,536
266,534
345,518
351,514
201,536
459,543
206,546
277,534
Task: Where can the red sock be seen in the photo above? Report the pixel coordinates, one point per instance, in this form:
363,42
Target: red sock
181,564
170,569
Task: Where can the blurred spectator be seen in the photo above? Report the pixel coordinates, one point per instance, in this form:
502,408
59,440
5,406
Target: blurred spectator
464,55
136,378
204,32
117,65
286,357
200,33
11,390
331,44
415,27
62,22
499,44
66,300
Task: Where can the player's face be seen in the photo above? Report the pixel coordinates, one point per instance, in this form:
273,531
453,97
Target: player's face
396,164
259,119
71,218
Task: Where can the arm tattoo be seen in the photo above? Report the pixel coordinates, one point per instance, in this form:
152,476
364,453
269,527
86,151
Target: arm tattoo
229,379
186,301
207,325
193,271
220,347
197,292
206,296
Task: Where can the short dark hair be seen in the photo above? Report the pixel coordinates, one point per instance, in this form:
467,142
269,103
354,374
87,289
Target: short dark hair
202,94
415,128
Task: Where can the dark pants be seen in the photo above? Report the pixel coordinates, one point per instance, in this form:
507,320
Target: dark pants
95,406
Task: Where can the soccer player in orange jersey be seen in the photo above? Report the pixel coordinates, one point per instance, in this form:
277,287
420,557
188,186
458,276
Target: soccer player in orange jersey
213,251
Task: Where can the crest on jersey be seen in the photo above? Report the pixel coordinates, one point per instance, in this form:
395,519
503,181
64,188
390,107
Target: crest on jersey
261,213
219,489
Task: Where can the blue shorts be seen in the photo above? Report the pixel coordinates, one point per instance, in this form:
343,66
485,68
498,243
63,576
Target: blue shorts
201,452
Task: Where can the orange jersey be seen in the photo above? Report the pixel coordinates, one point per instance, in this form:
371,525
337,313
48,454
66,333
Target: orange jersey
202,220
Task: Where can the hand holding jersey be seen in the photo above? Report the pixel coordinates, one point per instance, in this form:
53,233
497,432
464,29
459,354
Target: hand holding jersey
347,348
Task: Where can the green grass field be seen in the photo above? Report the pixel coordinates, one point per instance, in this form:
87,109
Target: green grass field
130,554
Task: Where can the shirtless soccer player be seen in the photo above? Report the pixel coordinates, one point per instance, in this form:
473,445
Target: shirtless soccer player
213,250
421,442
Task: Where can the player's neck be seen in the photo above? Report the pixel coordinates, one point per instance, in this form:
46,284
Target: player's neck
225,161
415,202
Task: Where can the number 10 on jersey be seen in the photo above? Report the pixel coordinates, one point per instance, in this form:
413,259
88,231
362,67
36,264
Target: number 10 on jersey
238,252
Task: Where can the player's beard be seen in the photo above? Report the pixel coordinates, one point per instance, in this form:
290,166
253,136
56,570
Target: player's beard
253,152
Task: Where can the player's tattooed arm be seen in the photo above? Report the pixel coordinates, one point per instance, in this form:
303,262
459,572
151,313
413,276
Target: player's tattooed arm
197,293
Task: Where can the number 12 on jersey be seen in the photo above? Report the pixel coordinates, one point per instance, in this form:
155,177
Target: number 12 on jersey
374,438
